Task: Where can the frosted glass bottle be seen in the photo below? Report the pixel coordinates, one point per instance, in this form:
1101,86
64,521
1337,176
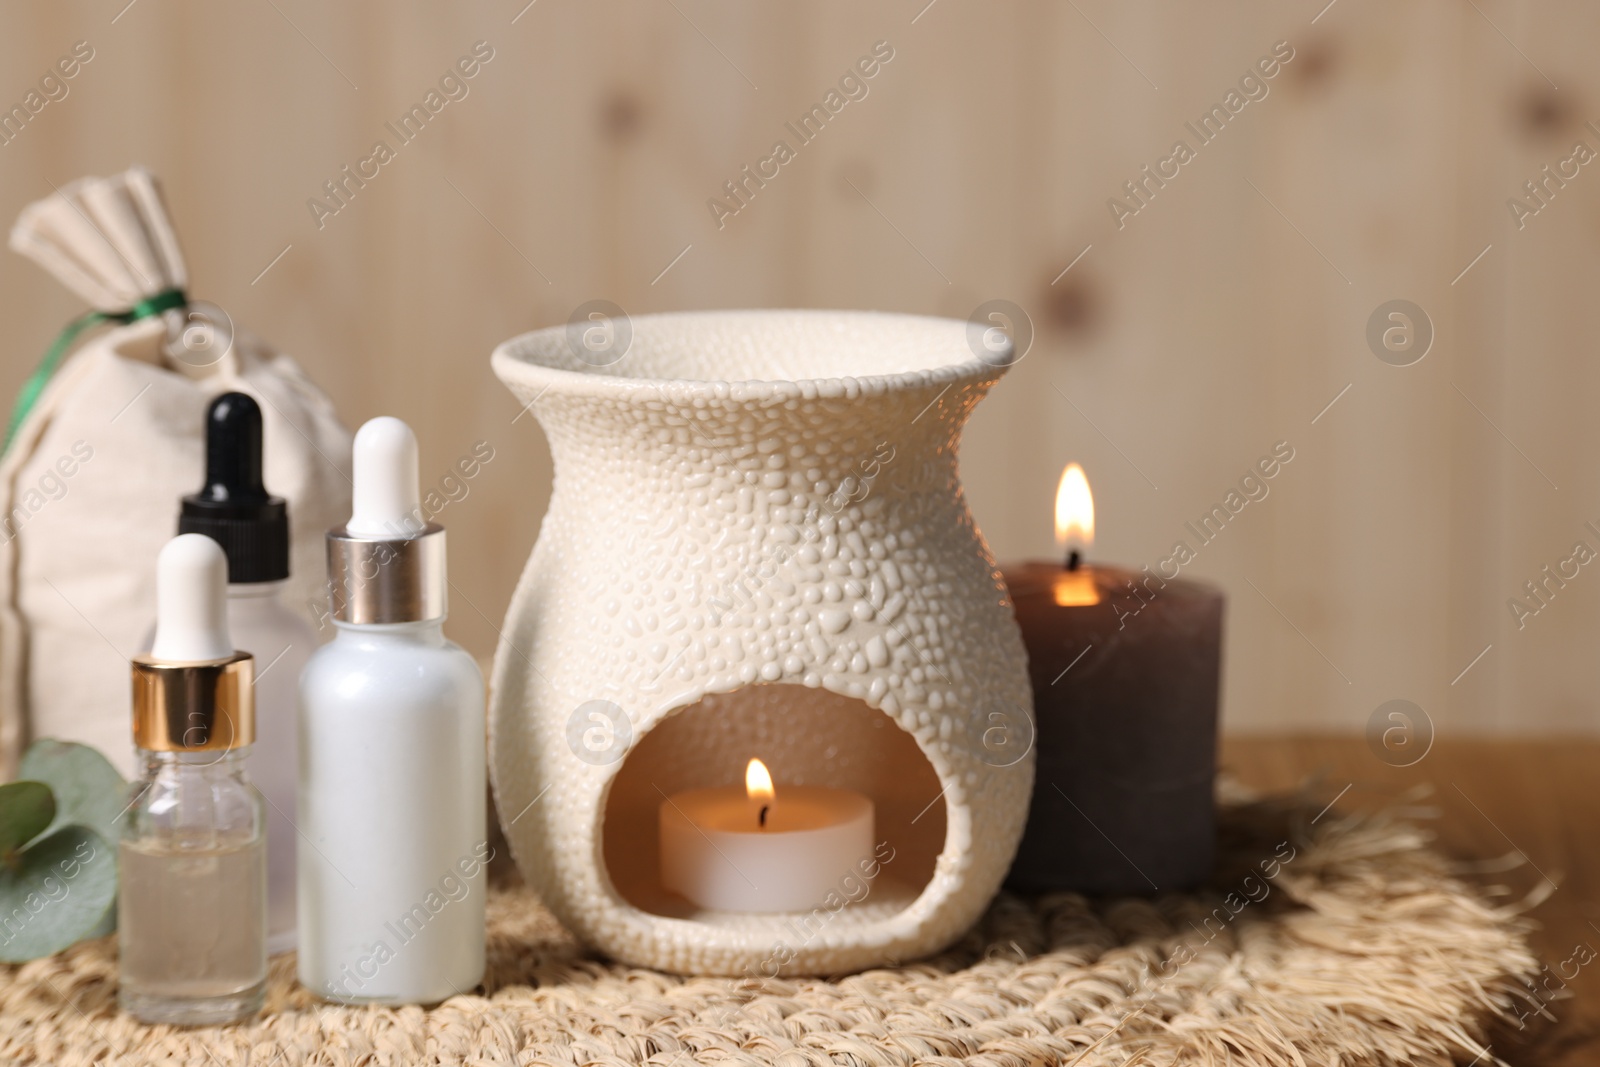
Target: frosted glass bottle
392,766
234,509
282,642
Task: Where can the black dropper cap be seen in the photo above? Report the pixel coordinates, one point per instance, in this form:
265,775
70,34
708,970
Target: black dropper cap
234,508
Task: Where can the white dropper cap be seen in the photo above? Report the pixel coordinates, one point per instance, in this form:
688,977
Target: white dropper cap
387,564
191,602
387,503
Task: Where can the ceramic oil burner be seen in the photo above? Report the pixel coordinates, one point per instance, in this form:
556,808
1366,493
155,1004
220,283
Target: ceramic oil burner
758,546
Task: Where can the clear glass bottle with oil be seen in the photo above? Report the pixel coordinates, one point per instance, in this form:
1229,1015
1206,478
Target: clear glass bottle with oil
192,908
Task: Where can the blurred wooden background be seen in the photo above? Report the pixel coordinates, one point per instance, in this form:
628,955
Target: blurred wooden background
1223,318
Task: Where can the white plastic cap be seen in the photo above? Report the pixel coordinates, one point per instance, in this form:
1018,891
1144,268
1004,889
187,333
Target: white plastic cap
191,601
387,503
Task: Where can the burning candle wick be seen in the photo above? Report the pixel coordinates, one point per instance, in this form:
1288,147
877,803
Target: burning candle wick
1074,516
762,818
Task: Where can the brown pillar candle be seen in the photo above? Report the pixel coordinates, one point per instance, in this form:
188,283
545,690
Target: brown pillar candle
1125,668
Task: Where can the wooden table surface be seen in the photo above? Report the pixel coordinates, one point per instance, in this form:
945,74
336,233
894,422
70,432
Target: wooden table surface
1539,799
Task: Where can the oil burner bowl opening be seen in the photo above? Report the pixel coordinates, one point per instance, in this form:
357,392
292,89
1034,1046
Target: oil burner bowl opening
750,353
757,539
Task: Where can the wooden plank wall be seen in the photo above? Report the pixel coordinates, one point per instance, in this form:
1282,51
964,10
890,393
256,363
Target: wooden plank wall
1220,319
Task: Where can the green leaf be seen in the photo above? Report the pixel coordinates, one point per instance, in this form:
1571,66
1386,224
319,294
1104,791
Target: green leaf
107,923
89,791
26,809
59,893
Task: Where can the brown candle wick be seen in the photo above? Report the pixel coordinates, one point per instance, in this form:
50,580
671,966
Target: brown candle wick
762,818
1074,559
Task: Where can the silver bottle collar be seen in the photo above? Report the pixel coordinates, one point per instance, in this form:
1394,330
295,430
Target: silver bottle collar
374,581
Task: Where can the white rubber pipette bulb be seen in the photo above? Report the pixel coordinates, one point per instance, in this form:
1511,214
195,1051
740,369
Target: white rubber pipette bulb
191,601
387,503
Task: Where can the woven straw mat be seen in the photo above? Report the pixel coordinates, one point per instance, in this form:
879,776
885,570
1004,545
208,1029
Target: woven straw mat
1362,948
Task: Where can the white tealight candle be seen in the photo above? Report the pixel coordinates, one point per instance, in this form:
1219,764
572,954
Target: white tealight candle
758,849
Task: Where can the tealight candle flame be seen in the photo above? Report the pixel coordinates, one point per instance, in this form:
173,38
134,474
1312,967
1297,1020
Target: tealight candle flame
1074,509
758,787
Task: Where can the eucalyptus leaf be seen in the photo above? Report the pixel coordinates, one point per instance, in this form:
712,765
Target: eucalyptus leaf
89,791
58,893
107,923
26,809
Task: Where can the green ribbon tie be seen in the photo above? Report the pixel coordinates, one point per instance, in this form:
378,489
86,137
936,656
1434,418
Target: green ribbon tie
33,388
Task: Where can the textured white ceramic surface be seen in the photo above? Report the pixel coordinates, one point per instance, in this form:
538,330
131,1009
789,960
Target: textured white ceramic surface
757,526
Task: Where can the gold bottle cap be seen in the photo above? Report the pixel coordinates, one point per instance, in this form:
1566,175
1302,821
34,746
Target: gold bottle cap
194,707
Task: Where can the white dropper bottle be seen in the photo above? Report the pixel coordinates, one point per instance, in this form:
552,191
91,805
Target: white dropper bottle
392,843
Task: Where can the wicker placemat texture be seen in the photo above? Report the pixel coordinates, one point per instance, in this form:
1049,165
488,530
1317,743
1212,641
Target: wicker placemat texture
1363,948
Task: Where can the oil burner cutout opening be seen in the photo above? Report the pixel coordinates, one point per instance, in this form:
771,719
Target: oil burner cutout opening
684,785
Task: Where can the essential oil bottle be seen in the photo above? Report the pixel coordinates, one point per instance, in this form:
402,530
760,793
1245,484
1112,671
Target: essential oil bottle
392,845
191,908
234,509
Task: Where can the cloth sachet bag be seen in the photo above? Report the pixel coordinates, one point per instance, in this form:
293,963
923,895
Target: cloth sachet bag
104,443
